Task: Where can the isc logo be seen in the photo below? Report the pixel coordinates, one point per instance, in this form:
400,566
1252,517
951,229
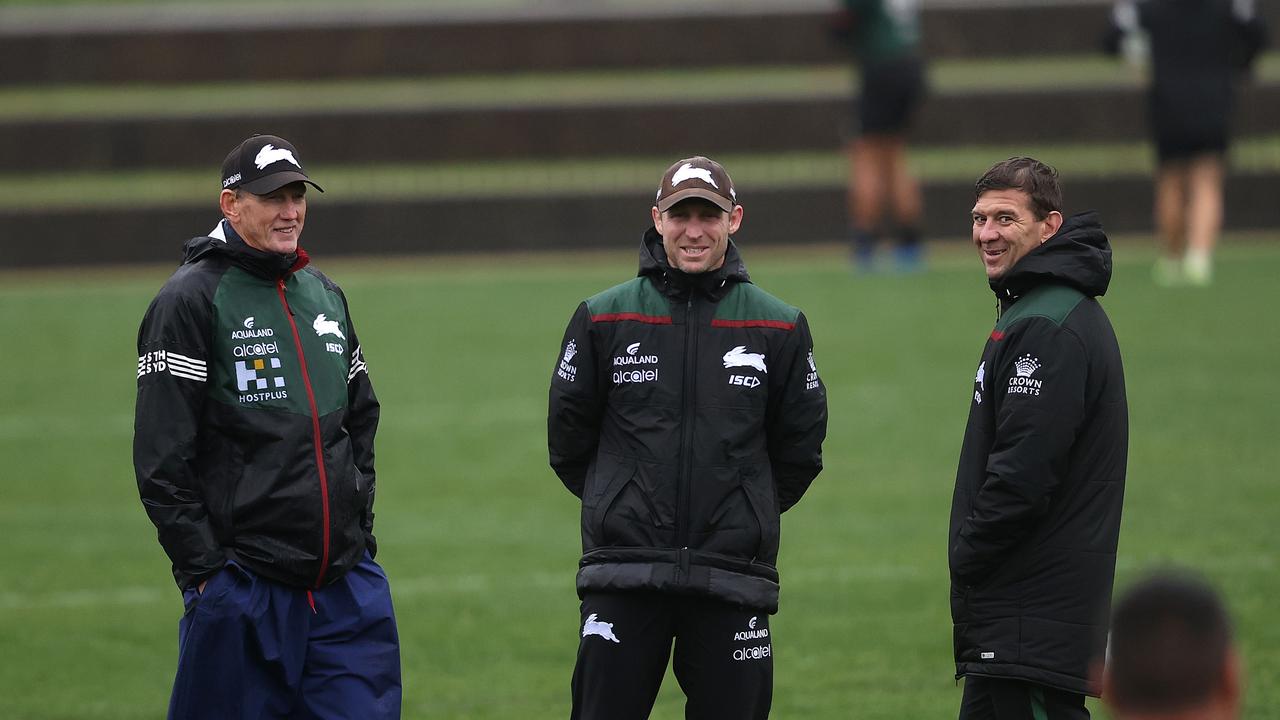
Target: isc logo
744,380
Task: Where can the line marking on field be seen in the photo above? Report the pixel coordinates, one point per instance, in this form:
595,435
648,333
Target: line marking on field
542,581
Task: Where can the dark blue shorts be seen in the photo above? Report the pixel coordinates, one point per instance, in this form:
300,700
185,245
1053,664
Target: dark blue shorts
891,94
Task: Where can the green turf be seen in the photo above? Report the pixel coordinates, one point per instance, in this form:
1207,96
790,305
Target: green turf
480,539
78,102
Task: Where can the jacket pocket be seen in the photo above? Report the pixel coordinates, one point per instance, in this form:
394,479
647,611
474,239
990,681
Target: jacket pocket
764,503
733,517
625,515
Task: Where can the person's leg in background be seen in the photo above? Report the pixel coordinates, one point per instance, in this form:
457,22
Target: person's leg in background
1171,220
1203,216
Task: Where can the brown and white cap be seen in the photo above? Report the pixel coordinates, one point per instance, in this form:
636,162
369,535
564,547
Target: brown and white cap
696,177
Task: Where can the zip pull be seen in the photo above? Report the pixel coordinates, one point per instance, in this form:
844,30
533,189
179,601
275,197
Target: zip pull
280,287
311,600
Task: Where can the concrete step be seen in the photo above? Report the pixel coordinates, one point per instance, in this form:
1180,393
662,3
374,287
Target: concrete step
791,214
196,43
548,132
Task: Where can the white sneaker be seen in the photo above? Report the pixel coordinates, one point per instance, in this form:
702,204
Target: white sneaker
1198,268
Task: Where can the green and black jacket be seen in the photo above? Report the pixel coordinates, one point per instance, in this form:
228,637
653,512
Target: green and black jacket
687,413
253,433
1035,519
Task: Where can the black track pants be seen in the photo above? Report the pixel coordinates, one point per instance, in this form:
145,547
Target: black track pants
723,657
1001,699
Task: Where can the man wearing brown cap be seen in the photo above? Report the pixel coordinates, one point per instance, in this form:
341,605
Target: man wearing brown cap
253,450
687,413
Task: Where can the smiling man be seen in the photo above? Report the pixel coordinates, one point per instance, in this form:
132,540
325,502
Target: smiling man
1035,518
687,414
253,449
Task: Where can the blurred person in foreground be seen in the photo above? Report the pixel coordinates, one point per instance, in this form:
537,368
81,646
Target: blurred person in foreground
1035,518
253,448
1171,654
1200,50
884,36
687,413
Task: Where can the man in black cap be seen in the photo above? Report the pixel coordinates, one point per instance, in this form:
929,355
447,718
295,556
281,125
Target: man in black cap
686,412
253,449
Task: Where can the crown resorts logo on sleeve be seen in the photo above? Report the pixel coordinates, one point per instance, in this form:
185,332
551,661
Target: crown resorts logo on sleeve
811,379
1022,383
565,370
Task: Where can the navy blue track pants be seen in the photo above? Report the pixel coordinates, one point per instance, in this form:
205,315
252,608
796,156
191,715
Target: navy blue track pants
252,648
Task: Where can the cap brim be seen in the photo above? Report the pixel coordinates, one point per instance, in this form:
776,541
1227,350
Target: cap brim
275,181
715,198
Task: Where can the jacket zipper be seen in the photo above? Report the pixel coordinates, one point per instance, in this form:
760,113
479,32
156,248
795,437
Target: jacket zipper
685,482
315,432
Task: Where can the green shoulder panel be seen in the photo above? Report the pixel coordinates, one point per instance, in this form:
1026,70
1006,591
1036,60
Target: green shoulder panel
748,303
1052,302
637,296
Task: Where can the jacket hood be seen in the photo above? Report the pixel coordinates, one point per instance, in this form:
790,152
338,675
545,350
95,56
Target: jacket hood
1078,255
654,264
223,240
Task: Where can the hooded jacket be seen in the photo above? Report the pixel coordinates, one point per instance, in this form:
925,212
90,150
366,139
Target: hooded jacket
1035,518
687,413
255,418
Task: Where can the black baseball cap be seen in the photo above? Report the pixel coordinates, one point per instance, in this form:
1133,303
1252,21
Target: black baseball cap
698,177
263,164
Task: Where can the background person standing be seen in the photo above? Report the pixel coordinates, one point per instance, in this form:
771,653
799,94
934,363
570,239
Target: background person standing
1200,51
1035,517
884,36
253,449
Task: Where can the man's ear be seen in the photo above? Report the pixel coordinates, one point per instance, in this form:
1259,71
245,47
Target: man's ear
227,203
735,219
1051,225
657,219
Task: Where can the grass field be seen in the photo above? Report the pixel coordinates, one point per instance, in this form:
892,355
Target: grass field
480,539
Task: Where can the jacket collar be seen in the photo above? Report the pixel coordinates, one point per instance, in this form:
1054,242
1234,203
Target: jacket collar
1078,255
676,283
224,240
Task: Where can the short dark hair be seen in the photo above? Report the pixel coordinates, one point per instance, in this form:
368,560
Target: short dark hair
1170,638
1038,180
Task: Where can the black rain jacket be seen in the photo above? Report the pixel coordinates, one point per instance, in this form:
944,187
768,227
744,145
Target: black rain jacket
255,418
686,412
1035,519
